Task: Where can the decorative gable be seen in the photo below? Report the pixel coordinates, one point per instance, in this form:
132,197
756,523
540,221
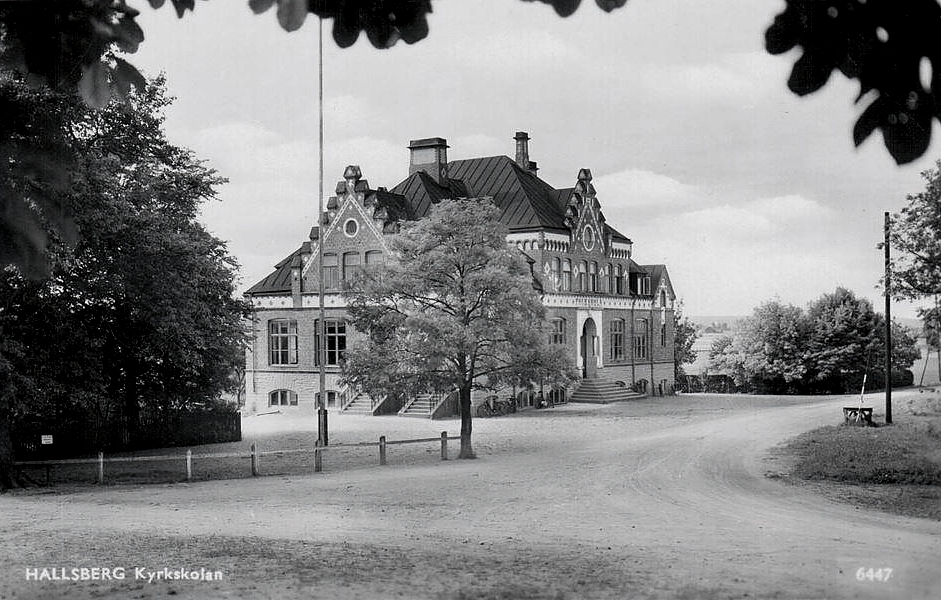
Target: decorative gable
584,219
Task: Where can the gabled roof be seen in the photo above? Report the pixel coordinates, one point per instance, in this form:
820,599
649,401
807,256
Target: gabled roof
421,191
659,273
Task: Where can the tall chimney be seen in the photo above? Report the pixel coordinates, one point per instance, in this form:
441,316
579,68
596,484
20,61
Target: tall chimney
522,149
431,156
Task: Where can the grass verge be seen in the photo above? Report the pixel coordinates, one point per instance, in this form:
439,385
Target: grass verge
894,467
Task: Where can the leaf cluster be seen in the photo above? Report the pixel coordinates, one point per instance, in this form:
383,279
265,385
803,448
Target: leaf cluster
453,308
784,349
883,45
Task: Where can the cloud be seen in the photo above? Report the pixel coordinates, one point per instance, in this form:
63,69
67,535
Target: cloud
632,188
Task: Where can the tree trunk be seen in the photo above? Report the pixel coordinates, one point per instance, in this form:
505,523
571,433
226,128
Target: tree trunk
467,451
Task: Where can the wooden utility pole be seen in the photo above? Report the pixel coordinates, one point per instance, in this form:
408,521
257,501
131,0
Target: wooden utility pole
321,400
888,325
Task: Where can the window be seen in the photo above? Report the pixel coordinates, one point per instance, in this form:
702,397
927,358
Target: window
593,277
351,227
617,339
282,342
351,266
375,258
607,283
663,334
557,332
566,275
640,339
282,398
331,275
582,276
619,280
663,297
335,333
331,399
556,272
643,285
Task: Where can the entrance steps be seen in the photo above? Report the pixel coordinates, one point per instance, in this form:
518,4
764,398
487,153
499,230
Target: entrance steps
602,391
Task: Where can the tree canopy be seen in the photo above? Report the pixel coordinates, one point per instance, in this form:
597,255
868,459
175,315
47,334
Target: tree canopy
454,308
139,317
889,47
782,348
684,336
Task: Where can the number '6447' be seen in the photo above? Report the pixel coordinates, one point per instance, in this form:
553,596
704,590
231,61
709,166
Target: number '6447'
870,574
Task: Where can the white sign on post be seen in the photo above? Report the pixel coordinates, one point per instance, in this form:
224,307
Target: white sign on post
46,439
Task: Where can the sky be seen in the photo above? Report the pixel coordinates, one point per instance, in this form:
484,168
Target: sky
699,152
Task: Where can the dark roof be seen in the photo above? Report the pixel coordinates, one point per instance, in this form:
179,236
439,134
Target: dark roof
421,190
525,201
616,235
658,272
633,267
279,282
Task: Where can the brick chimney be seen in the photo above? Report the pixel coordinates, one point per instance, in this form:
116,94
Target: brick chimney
431,156
522,152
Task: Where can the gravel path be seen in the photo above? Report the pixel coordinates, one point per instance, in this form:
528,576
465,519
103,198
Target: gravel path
663,498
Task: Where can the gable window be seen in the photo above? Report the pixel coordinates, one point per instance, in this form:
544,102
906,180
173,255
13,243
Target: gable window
643,285
351,266
593,277
335,334
331,273
617,339
282,342
640,338
350,228
663,334
282,398
566,275
557,331
663,298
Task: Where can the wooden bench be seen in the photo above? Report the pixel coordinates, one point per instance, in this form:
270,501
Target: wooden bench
856,414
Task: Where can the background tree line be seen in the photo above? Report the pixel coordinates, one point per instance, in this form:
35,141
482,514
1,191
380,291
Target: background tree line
827,348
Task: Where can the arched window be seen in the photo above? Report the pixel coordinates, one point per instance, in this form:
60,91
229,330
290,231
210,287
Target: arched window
619,281
331,272
556,271
593,277
566,275
282,398
617,339
331,398
582,276
663,297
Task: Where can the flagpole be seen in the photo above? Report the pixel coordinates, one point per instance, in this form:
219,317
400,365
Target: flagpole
321,326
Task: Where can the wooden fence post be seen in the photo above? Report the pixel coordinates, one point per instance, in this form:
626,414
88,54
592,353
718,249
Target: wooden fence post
444,445
382,449
101,468
254,460
318,459
189,464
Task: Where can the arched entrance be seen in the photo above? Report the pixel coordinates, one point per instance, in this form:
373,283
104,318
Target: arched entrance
587,349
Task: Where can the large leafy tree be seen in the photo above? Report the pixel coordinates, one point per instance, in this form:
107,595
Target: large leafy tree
139,317
71,45
827,348
455,308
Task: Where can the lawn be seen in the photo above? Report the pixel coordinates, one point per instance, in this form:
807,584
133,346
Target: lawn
894,467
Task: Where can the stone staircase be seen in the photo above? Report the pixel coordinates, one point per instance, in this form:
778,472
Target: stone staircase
421,406
602,391
360,405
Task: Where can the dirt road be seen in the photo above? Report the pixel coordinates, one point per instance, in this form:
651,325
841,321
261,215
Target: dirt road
662,498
